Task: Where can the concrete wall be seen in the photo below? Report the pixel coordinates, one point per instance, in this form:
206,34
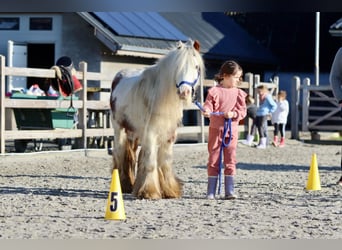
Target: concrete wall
79,43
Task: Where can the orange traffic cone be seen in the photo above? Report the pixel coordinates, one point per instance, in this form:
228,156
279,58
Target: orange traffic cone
313,179
115,208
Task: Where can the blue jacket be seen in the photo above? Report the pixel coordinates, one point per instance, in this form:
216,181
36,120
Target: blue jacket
268,106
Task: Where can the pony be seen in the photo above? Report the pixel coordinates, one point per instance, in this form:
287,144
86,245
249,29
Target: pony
146,109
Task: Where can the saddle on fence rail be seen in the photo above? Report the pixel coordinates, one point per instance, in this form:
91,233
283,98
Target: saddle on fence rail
65,81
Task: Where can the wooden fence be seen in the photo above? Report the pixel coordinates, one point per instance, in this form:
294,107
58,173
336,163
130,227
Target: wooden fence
313,109
82,132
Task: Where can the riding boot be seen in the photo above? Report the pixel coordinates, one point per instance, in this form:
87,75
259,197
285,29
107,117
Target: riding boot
275,141
229,187
262,144
211,190
249,140
282,142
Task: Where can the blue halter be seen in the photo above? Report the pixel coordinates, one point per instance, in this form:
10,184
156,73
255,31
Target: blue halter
227,126
192,84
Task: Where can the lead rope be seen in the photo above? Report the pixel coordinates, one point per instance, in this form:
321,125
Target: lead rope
227,126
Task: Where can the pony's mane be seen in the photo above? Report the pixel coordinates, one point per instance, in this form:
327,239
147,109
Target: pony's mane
166,68
178,57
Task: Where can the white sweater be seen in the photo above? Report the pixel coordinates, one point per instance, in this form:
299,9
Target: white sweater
281,113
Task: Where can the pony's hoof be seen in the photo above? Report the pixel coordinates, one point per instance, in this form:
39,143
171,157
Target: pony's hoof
142,194
174,195
126,189
149,196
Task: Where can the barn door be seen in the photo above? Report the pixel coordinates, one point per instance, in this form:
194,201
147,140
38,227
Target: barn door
17,57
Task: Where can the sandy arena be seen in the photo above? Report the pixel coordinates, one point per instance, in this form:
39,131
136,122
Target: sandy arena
63,195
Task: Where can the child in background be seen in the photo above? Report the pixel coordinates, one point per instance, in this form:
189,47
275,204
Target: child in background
251,113
227,98
266,107
279,119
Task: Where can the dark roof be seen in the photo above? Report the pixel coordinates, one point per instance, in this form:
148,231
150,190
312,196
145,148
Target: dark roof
140,24
220,36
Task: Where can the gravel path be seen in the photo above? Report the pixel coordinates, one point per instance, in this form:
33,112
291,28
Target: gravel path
63,195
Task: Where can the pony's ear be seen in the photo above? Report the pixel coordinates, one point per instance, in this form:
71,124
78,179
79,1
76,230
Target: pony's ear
197,45
179,44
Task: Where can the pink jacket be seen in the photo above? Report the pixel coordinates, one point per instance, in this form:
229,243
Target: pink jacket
221,99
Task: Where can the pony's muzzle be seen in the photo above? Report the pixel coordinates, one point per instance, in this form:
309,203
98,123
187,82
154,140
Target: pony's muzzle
184,92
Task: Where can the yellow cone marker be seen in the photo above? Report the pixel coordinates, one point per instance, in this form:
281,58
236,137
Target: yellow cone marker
115,208
314,182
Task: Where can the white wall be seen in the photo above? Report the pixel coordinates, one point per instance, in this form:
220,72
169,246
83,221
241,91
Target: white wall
32,36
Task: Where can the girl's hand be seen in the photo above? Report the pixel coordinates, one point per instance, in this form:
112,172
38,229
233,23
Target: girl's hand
229,114
206,113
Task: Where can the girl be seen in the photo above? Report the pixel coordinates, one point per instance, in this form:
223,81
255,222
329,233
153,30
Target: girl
266,107
251,113
279,119
230,100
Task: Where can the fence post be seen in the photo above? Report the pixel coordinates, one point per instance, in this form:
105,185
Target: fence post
201,117
247,123
83,114
249,79
276,83
295,94
2,104
255,85
306,104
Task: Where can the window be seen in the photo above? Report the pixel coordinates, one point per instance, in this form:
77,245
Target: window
9,23
40,23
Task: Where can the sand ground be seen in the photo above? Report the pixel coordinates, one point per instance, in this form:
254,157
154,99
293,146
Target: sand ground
63,195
